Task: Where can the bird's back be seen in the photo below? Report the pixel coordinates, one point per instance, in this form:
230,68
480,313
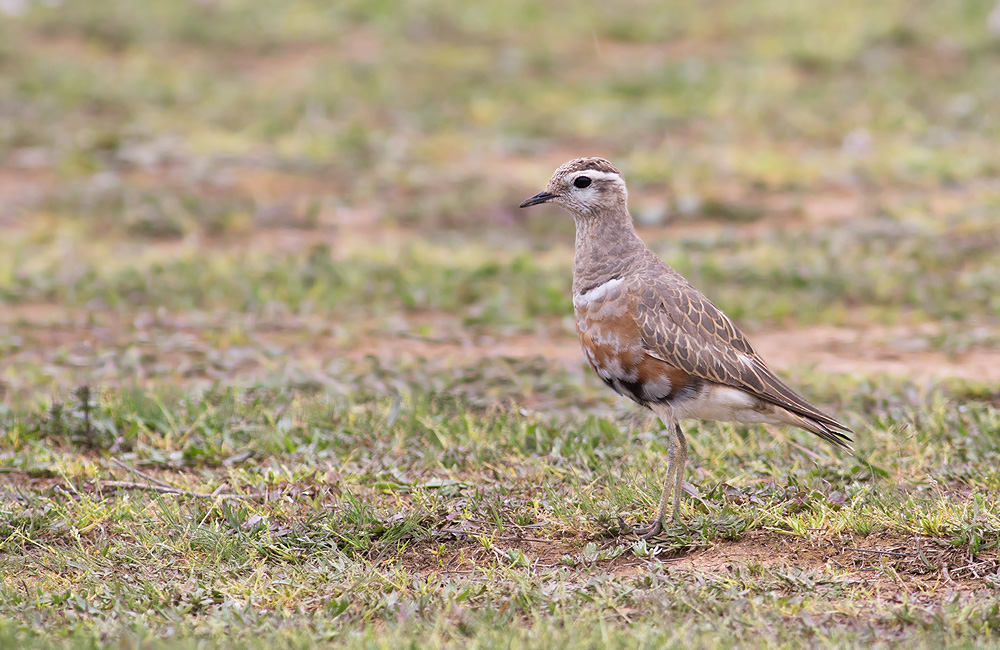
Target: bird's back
652,337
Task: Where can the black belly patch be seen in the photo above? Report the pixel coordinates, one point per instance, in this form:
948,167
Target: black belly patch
634,390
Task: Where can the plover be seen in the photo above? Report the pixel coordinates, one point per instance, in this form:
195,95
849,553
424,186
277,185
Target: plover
654,338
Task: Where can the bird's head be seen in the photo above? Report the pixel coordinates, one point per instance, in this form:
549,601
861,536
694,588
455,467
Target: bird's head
585,187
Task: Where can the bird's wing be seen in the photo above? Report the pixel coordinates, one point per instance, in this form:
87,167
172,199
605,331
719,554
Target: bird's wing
684,329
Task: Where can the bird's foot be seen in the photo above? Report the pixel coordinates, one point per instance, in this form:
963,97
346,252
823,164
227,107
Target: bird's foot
650,531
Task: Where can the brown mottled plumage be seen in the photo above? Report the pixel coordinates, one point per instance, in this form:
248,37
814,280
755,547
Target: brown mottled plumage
654,338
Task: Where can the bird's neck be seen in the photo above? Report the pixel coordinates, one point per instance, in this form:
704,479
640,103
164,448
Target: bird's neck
606,247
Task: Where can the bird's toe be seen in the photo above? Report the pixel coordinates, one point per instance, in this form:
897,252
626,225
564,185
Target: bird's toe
649,531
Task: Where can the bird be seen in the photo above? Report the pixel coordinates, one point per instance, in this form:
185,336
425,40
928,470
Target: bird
655,339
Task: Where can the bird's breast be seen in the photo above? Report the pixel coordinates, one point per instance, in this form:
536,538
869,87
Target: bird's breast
612,343
608,333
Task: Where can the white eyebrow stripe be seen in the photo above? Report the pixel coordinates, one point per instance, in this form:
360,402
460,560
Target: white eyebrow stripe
595,175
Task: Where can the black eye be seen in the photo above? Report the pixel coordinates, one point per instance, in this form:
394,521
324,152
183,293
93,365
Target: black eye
581,181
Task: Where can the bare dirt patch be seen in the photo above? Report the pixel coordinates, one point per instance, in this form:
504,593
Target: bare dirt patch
765,548
897,351
878,559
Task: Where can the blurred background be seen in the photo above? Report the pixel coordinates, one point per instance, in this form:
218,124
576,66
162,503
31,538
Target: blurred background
280,358
246,191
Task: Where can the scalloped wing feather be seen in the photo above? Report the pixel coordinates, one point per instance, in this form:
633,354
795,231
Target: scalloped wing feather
682,327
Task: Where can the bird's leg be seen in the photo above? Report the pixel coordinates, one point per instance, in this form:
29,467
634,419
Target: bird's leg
673,447
681,463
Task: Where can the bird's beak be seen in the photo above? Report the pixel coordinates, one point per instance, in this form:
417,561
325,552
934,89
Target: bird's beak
541,197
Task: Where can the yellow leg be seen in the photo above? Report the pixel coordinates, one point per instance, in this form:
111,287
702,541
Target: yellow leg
681,462
673,485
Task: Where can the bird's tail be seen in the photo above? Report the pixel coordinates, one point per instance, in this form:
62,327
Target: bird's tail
827,428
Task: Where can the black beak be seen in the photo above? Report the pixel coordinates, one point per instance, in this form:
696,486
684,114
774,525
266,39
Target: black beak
541,197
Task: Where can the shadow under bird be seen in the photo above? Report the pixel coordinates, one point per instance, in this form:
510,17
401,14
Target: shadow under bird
654,338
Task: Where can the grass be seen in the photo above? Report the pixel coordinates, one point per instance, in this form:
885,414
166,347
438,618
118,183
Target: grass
428,515
886,267
282,365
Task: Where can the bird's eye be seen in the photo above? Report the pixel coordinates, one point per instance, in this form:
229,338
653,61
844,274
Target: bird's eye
581,182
